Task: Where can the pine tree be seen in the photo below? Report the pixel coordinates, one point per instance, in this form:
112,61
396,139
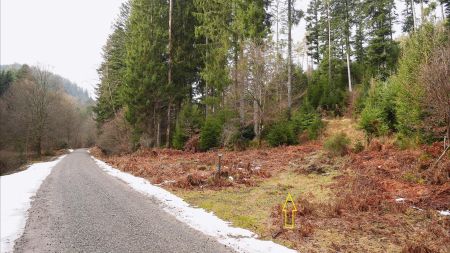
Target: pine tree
313,30
112,69
186,61
294,17
146,68
342,15
6,78
409,23
360,32
382,50
213,19
446,5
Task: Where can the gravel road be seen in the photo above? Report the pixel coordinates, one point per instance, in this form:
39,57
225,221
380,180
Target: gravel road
79,208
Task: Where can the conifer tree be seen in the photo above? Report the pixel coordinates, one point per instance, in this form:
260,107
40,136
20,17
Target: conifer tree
146,69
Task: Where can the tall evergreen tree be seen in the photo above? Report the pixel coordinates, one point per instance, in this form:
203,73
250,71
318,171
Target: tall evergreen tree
409,23
112,69
213,25
294,17
186,60
360,32
313,30
6,78
146,68
382,49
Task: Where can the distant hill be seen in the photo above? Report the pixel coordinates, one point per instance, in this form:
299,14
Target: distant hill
60,82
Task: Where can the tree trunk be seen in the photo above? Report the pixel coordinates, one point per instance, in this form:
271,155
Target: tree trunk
329,42
289,84
414,14
169,123
169,77
256,119
241,94
347,42
448,128
422,16
206,82
158,131
39,146
349,72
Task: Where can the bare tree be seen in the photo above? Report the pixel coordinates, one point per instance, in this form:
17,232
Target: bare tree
435,76
40,100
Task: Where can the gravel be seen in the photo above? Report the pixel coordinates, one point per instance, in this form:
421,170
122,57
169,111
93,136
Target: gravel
79,208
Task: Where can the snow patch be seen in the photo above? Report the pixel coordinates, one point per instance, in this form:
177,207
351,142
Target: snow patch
445,212
239,239
400,200
16,193
70,150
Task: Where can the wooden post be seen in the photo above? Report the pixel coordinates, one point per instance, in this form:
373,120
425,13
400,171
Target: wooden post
219,166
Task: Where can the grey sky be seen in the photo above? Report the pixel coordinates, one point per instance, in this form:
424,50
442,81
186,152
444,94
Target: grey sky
67,35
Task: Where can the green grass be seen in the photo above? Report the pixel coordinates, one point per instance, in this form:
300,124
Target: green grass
250,207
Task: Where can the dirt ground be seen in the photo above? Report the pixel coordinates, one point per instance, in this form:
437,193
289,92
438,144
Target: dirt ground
379,200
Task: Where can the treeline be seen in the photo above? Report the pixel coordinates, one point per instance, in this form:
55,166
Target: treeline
58,81
38,117
199,74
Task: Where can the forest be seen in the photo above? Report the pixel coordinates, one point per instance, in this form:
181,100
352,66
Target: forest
199,75
40,113
219,103
250,113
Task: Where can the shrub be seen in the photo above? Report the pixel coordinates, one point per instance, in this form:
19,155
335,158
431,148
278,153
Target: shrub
397,104
179,137
189,123
281,133
359,147
417,51
372,123
115,136
210,133
239,138
406,142
378,117
337,144
307,120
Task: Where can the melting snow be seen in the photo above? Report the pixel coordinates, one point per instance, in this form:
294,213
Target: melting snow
16,192
400,200
239,239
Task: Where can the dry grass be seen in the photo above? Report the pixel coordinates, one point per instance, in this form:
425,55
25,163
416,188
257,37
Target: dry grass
346,204
344,125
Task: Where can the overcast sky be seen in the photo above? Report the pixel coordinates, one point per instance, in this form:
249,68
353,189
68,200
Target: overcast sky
66,35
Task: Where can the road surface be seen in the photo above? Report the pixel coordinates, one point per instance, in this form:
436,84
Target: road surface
79,208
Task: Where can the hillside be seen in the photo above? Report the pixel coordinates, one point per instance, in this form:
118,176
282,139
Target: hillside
61,83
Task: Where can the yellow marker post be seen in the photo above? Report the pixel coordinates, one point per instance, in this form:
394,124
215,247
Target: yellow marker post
289,223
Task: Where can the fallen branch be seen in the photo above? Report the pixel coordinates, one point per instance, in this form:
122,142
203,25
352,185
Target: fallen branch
440,157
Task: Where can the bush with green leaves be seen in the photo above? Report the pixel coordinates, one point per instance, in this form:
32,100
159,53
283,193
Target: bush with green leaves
210,133
325,94
307,120
240,137
337,144
281,133
378,117
411,92
189,123
397,105
179,137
